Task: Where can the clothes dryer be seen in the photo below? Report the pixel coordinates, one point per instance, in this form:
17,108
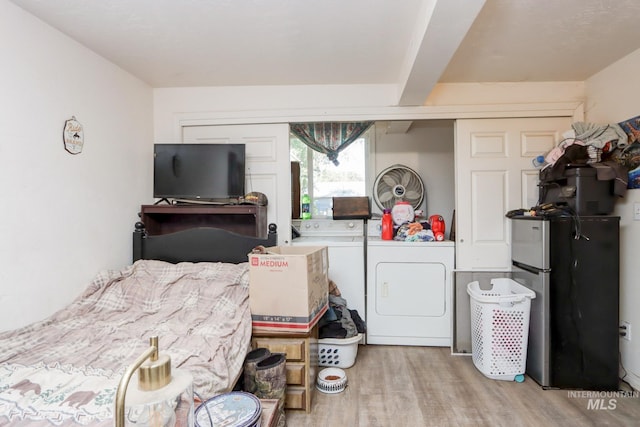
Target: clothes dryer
409,292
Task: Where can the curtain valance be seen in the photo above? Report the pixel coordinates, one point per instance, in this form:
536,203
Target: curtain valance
329,137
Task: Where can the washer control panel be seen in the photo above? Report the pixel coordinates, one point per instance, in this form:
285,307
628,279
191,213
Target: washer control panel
329,227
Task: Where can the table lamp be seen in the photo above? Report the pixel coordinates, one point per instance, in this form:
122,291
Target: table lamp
161,399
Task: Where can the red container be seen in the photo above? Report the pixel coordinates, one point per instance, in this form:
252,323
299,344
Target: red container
437,226
387,225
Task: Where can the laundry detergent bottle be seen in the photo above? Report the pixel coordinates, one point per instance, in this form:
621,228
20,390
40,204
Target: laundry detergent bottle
387,225
306,207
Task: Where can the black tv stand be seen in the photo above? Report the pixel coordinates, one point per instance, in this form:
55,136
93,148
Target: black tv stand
162,200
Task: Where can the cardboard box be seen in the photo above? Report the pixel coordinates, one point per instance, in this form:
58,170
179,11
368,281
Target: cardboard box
288,288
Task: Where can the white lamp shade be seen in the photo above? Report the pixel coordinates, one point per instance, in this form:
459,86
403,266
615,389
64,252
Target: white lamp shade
168,406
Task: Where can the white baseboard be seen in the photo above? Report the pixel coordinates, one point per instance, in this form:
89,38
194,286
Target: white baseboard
633,380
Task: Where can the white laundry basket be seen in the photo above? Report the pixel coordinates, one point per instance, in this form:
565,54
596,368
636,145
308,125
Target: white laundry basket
338,352
500,328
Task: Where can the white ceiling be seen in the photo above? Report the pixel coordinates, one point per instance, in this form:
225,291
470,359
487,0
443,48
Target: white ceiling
413,44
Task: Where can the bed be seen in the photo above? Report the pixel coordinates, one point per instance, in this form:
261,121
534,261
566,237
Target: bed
190,288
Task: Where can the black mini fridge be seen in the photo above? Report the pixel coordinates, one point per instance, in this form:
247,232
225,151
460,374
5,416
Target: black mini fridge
572,264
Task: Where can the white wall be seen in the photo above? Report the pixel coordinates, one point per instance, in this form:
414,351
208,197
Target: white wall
487,94
282,104
64,217
612,96
427,148
258,104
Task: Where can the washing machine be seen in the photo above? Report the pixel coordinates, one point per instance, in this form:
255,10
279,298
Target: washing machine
345,246
408,291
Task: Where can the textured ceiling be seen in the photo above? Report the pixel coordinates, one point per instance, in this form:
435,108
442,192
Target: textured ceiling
545,40
411,43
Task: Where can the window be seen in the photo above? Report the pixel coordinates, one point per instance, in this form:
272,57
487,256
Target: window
324,180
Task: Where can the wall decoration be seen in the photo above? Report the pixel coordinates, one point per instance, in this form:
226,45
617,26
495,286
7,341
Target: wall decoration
630,155
630,158
73,136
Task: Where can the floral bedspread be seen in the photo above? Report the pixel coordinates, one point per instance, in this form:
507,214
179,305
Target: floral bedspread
65,369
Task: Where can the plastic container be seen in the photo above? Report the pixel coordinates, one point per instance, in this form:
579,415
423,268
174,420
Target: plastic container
500,328
539,161
338,352
387,225
306,207
436,222
331,380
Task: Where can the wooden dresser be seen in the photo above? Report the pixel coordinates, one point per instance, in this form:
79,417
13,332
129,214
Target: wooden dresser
302,362
249,220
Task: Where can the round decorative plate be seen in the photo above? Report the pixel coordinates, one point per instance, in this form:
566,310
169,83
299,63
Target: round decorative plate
237,409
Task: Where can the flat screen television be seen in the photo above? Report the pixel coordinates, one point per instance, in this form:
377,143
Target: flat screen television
212,172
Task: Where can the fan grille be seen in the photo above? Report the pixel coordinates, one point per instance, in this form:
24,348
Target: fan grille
398,183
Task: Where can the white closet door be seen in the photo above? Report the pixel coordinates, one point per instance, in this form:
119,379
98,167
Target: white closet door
495,174
268,164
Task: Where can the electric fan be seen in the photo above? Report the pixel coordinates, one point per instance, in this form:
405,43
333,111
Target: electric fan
398,183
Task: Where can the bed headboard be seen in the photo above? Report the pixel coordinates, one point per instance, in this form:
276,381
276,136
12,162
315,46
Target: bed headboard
202,244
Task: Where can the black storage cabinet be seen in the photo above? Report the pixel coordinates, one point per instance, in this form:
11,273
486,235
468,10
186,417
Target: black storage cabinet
584,303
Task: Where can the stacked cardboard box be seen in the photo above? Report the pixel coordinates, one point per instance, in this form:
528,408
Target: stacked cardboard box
288,288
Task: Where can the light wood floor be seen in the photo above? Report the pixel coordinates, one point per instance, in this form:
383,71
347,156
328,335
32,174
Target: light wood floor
427,386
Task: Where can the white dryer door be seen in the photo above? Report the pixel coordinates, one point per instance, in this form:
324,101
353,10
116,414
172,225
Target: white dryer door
410,289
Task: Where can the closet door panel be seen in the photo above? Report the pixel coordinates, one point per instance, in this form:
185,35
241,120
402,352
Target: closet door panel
495,174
